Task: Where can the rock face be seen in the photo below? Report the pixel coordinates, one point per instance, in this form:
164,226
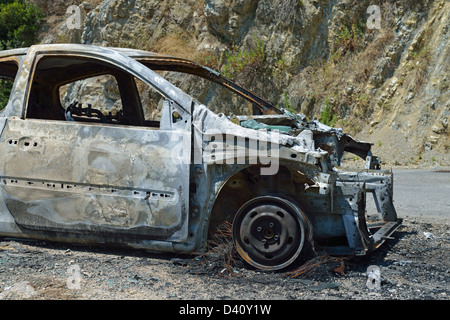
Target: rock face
387,85
230,20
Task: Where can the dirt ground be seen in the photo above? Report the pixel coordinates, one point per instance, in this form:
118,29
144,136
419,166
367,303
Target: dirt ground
413,266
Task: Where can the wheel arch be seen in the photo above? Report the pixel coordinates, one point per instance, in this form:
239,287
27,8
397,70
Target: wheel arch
247,183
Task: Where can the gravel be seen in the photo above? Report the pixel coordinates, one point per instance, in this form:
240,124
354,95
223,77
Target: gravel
413,266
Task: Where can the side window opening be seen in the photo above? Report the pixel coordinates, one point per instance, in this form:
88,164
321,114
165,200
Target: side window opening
158,110
93,99
216,97
152,103
91,91
8,72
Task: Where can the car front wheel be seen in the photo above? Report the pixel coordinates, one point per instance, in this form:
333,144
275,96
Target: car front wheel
269,232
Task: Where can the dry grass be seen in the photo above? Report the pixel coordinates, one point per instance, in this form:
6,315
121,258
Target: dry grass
175,44
221,258
366,59
309,266
418,68
340,82
181,45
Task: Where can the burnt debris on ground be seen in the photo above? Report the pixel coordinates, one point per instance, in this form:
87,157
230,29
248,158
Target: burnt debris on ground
413,266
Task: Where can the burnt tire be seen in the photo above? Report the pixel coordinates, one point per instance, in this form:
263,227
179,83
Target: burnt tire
270,232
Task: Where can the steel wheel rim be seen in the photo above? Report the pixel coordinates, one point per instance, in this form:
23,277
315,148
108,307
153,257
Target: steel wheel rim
269,233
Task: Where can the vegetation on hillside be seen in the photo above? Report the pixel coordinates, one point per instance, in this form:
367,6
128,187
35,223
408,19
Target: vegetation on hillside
19,24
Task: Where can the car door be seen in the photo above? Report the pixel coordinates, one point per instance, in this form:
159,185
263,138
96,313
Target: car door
109,178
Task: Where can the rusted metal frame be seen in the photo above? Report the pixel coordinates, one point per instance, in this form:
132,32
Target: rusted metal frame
51,80
83,71
79,75
186,66
13,53
278,119
385,232
54,78
358,148
335,212
366,238
115,58
348,201
10,56
131,101
380,184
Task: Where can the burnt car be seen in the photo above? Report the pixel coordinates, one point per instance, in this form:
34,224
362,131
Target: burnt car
85,158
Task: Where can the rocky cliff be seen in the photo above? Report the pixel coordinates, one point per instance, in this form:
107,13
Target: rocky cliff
379,72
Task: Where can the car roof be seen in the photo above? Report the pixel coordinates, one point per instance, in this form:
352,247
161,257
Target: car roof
79,47
13,52
155,61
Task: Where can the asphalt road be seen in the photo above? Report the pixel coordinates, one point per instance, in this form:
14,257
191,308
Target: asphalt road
422,193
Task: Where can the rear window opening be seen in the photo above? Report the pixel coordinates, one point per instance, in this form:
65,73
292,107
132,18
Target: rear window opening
8,72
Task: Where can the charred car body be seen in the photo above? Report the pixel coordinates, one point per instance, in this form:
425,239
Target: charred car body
71,171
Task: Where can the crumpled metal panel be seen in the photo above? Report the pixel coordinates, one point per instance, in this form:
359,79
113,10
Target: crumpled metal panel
85,178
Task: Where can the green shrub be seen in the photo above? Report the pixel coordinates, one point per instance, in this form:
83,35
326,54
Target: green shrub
327,115
286,104
243,61
349,38
19,23
5,92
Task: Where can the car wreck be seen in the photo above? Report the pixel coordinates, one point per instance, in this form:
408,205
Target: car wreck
73,171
